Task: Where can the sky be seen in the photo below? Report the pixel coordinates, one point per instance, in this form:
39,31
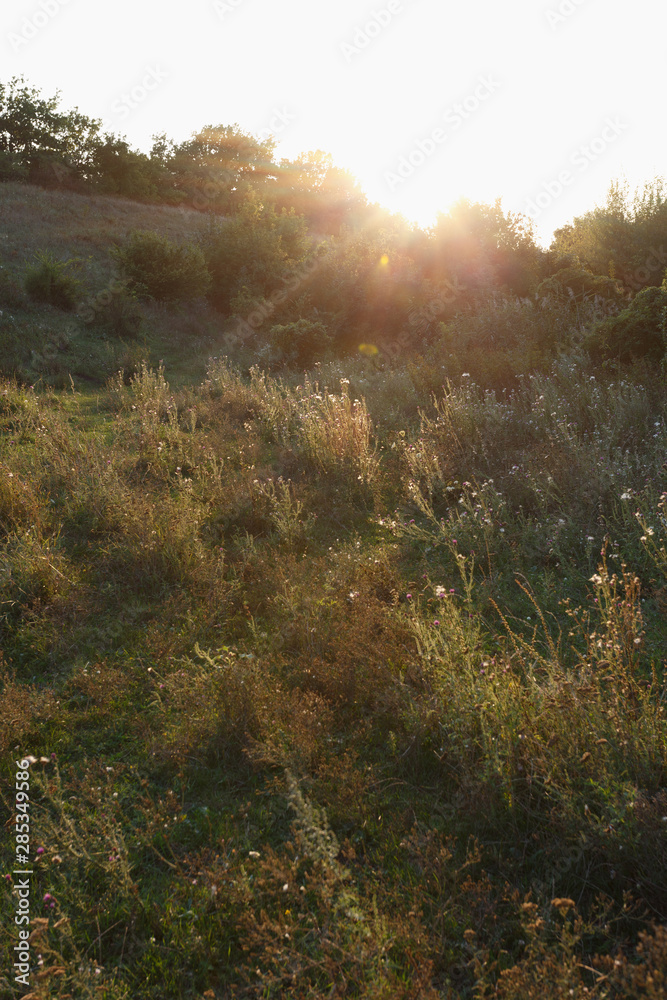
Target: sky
541,103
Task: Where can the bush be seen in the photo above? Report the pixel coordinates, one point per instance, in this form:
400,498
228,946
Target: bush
51,280
573,280
300,343
640,331
159,269
253,255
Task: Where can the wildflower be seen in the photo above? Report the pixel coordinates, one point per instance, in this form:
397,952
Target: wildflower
40,850
440,591
436,622
596,579
408,597
562,903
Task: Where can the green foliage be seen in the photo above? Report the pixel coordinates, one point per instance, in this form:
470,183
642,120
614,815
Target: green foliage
40,143
157,268
299,343
570,279
51,281
11,166
364,286
120,170
623,239
484,248
501,339
219,168
640,331
255,252
326,195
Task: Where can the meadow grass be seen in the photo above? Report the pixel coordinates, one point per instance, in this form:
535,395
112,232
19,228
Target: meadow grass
335,706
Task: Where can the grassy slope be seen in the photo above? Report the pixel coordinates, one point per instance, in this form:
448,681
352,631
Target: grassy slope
228,665
38,342
77,225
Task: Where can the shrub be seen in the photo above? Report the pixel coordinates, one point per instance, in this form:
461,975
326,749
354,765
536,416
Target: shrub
637,332
573,280
300,343
255,253
51,280
159,269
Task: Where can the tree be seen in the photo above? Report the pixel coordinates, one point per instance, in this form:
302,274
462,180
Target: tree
40,144
640,331
624,238
252,252
328,196
220,167
117,169
484,249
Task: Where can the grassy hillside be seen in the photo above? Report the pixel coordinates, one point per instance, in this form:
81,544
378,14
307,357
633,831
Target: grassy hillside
346,683
81,225
44,343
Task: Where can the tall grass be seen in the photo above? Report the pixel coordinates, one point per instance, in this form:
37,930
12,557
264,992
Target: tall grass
343,704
